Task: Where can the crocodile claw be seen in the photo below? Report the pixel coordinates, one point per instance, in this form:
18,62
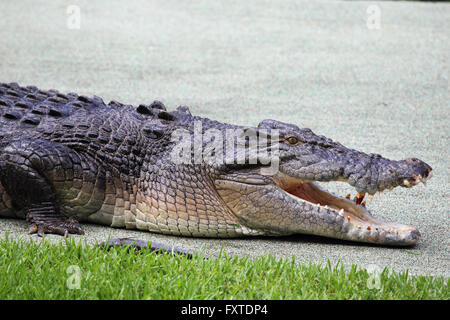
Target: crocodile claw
63,228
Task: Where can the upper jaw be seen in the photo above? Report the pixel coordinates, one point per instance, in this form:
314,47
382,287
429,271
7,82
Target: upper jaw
366,173
382,174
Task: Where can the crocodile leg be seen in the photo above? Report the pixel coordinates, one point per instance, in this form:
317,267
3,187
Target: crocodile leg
22,174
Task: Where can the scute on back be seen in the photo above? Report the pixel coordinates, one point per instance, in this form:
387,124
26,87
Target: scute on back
28,105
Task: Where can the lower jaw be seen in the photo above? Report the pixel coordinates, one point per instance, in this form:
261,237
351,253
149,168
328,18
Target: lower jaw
380,237
358,224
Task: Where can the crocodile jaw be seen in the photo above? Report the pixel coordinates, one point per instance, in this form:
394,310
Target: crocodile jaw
358,223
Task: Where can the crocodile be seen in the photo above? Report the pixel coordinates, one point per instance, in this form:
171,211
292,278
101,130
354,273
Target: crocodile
67,159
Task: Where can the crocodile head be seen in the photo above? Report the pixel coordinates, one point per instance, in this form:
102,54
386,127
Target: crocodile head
289,201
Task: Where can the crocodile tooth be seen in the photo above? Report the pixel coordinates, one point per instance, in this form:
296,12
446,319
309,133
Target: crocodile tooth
424,181
348,196
341,212
359,198
370,196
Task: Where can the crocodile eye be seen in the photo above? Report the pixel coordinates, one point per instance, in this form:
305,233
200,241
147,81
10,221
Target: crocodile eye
292,140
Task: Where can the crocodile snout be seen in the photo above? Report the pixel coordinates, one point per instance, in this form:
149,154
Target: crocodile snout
418,171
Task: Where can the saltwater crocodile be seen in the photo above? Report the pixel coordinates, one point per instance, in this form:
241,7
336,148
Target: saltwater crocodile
68,158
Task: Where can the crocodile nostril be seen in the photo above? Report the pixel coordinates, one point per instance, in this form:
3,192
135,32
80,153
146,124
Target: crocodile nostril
423,169
428,172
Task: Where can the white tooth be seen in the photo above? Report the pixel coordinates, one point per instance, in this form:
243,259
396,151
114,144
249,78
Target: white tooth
370,197
406,183
341,212
424,181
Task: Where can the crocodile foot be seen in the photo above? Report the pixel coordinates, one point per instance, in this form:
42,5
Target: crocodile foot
44,219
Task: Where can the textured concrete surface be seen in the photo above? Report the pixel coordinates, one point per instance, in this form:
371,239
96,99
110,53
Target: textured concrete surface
313,63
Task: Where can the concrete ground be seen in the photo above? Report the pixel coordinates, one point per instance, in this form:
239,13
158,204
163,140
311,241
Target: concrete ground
319,64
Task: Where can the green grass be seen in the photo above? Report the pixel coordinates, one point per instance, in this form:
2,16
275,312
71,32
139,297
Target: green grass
42,271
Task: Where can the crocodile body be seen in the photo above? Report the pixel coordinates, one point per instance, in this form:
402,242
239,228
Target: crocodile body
66,158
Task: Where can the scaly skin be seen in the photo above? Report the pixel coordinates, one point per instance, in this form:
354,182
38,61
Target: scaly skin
67,159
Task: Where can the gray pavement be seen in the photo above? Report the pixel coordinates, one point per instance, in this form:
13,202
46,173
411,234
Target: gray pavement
313,63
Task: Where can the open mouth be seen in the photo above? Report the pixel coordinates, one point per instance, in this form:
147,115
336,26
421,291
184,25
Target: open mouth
359,224
352,211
